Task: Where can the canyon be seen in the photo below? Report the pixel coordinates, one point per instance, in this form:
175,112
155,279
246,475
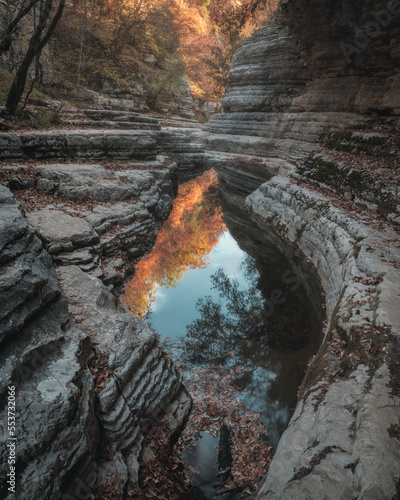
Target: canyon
309,142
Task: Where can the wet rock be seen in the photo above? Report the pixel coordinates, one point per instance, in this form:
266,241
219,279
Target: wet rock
225,458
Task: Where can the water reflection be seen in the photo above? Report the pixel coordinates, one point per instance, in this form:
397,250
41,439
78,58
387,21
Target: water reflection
223,297
192,230
240,328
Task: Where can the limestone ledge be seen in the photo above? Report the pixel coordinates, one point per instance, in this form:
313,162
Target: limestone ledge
143,385
339,442
106,144
127,206
78,144
65,414
288,136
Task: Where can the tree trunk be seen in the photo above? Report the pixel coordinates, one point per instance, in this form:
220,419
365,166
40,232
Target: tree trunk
6,38
36,44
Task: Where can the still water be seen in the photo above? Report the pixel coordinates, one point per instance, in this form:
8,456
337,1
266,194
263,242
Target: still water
222,297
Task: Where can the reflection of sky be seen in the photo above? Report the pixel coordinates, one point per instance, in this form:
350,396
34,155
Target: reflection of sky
271,388
273,414
204,458
174,308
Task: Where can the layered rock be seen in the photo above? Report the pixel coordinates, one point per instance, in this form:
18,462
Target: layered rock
321,67
109,119
78,144
91,394
184,105
78,390
340,438
141,388
313,69
43,355
95,213
110,208
105,144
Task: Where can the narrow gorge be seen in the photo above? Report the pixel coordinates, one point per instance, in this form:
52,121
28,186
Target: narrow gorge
307,151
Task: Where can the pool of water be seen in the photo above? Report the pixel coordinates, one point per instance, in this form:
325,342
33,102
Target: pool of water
222,297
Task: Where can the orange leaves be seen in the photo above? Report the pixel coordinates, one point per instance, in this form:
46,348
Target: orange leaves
184,242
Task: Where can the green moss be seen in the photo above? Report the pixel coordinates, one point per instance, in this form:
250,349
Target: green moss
349,142
300,231
279,226
6,79
322,171
352,466
317,459
352,431
41,119
334,318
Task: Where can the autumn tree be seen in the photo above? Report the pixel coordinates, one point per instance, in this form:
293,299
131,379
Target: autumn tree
42,33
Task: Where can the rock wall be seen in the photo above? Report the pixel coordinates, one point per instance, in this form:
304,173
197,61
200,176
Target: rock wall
320,65
339,443
79,390
54,390
325,66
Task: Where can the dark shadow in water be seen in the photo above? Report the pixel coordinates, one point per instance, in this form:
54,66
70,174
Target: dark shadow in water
271,327
258,312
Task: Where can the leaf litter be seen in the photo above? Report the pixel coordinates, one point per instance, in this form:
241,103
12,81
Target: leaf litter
216,403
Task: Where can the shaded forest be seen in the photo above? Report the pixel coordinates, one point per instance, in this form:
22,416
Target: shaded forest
134,47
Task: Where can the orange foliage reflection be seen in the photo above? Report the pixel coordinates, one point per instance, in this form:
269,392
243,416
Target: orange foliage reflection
185,242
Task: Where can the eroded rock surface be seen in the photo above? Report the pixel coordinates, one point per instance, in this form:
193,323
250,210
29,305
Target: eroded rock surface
78,390
141,388
42,355
313,96
341,429
91,380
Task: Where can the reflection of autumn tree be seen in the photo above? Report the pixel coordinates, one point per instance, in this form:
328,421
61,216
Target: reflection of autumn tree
185,241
